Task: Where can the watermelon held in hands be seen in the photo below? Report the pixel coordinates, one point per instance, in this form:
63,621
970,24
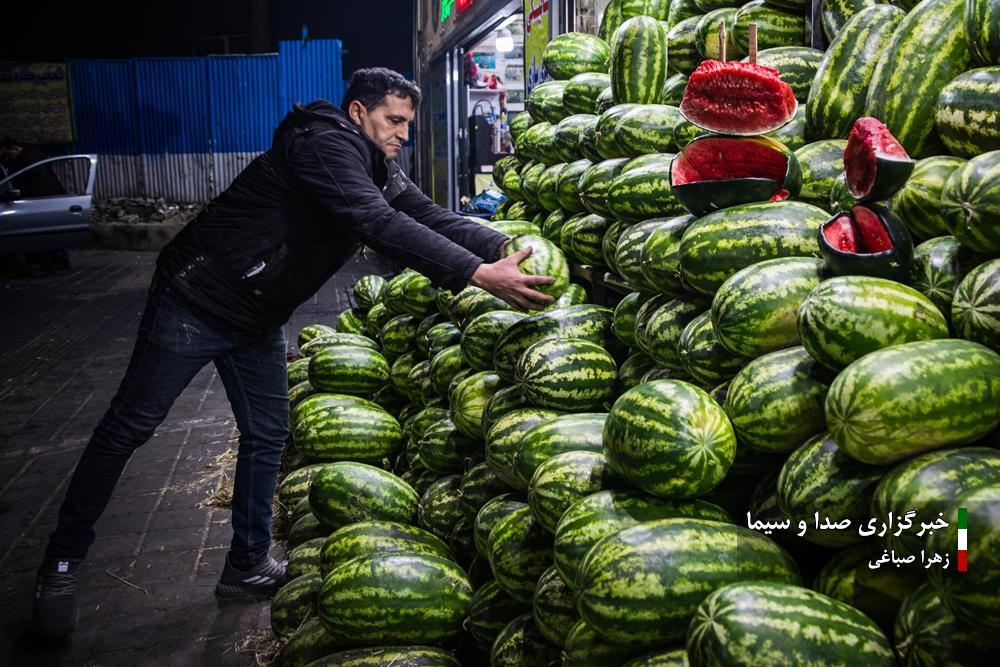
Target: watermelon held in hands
715,172
869,240
876,164
546,259
737,98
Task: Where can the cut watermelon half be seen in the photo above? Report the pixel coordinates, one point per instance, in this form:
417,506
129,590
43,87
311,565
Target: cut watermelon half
737,98
876,164
870,240
714,172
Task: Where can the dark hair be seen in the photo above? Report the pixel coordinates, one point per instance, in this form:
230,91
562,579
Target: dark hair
370,87
7,142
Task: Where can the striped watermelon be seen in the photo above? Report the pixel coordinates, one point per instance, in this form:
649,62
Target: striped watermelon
345,431
504,440
669,438
918,204
309,643
479,485
530,178
800,625
775,27
521,644
399,335
776,402
682,9
368,537
343,493
418,296
929,484
928,49
719,244
644,192
552,607
580,95
972,596
420,382
481,334
566,374
628,253
975,311
938,267
702,355
588,520
587,321
390,656
491,609
490,513
793,133
915,397
348,369
566,433
443,449
927,633
469,401
573,53
546,259
553,223
638,61
595,182
298,371
547,187
605,135
682,46
632,370
545,102
519,550
708,32
581,238
818,477
674,657
335,338
568,137
306,528
440,506
299,392
796,65
609,246
663,326
971,204
982,22
350,321
834,14
444,365
505,400
412,598
878,594
673,89
623,325
648,128
659,259
415,427
968,113
295,486
313,331
294,604
754,311
584,646
821,163
837,94
377,317
847,317
564,479
649,567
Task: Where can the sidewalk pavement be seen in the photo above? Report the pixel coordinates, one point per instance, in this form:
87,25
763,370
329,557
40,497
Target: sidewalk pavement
146,589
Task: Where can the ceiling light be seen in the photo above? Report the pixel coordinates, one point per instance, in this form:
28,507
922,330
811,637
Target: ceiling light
505,41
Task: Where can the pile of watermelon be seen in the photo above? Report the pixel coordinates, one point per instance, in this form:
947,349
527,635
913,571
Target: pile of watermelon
714,471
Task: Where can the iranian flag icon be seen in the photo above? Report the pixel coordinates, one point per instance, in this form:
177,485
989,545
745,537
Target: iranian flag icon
963,540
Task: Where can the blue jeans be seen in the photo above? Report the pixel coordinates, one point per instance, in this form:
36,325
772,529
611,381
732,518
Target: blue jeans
176,341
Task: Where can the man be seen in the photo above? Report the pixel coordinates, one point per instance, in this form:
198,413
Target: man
227,283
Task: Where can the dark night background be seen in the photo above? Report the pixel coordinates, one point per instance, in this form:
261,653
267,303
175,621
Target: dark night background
374,32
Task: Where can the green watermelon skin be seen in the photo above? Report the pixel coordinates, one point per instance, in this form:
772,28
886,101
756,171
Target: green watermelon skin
368,537
413,598
927,633
800,625
707,35
648,568
390,656
343,493
565,433
568,186
598,515
682,46
295,486
605,134
623,325
294,604
504,441
480,336
638,61
659,259
939,265
818,477
847,317
972,596
670,439
837,94
313,331
776,27
306,528
582,91
967,115
547,187
490,611
796,65
675,657
878,594
721,243
971,203
975,310
349,431
564,479
521,644
915,397
348,369
983,26
479,485
553,607
648,128
929,48
567,374
928,484
594,184
821,163
444,366
468,401
519,550
440,506
628,253
504,401
919,202
490,513
776,402
834,14
575,53
326,339
658,333
644,192
703,356
310,642
583,646
755,310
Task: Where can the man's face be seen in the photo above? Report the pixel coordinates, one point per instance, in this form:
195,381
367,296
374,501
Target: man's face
388,124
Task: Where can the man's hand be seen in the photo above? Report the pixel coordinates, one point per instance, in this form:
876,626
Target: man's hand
504,279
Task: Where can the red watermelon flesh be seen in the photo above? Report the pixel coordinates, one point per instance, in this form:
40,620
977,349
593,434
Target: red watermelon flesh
725,158
858,232
876,164
737,98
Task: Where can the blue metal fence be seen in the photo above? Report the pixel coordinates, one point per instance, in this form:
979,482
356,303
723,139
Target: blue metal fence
182,128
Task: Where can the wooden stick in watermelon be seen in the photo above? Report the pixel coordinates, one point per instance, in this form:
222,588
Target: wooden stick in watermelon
753,43
722,41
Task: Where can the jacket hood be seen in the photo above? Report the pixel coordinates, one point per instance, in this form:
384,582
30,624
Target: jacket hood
319,110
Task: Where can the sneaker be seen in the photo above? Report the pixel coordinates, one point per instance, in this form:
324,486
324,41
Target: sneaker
54,607
263,579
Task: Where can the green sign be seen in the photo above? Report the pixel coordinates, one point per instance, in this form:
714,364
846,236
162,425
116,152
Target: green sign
446,7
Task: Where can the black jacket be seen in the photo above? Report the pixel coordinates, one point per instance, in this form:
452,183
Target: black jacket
300,210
